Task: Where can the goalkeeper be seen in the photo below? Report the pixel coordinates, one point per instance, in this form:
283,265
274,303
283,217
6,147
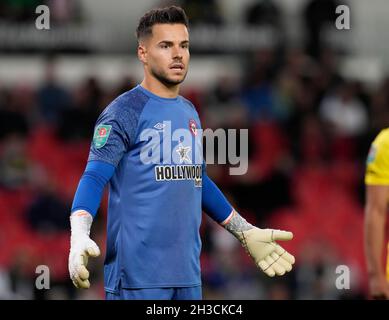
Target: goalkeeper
155,207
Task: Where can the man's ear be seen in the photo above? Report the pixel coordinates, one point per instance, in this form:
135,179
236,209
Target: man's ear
142,53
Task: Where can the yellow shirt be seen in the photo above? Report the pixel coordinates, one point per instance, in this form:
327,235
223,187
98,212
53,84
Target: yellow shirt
377,163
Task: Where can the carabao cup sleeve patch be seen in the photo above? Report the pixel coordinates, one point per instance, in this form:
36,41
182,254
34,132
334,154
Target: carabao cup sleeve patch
372,154
100,137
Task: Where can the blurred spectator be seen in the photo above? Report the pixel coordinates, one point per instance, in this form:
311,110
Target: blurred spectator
15,107
46,213
344,112
64,11
200,12
224,105
77,123
317,14
316,273
22,275
258,93
312,144
265,187
18,10
14,163
12,123
379,111
53,99
263,13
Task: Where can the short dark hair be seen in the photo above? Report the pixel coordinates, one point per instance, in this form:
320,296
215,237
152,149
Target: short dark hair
170,15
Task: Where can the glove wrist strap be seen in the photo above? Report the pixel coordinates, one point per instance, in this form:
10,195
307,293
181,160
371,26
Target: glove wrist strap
236,224
80,223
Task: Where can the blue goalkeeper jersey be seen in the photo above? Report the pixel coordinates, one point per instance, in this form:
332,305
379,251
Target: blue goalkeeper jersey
154,210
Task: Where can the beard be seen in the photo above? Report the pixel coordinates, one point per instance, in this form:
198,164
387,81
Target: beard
162,77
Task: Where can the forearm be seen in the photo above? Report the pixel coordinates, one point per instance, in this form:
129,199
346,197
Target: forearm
214,203
374,240
90,189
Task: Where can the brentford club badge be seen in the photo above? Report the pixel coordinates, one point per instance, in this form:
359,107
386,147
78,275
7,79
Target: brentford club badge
193,127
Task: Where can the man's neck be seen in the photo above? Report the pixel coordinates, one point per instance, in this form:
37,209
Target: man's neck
160,89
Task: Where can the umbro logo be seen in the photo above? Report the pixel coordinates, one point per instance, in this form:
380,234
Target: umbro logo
159,126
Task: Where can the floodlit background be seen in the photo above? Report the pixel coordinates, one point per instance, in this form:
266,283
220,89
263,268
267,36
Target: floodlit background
313,97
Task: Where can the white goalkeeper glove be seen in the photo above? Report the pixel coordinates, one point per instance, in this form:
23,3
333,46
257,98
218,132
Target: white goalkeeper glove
260,244
81,248
269,256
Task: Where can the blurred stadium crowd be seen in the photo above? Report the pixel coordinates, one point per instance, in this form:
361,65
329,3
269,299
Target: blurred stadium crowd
309,128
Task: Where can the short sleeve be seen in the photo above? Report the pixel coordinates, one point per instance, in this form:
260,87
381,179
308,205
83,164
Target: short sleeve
114,132
377,163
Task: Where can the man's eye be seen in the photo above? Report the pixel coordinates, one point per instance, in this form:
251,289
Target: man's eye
185,46
164,46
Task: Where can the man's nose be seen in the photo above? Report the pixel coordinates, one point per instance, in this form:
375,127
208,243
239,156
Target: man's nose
177,53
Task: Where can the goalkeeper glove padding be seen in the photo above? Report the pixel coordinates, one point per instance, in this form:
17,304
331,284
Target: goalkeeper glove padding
269,256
